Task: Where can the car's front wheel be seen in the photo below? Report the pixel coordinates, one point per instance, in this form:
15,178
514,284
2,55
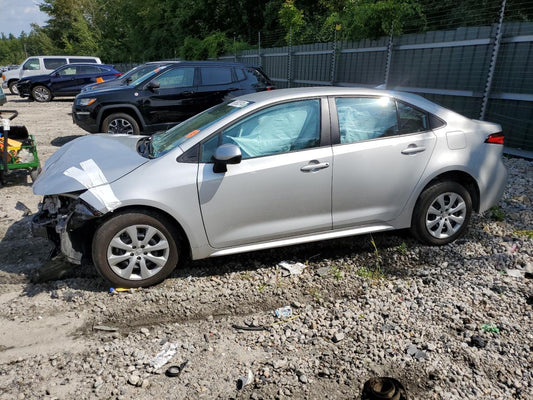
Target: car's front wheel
13,87
135,249
442,213
120,123
41,94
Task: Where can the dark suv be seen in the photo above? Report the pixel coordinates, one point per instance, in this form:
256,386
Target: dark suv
165,96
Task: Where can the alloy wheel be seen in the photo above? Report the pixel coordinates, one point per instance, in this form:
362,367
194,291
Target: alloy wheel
138,252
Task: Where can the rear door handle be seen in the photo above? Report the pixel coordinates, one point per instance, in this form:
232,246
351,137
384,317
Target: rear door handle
314,166
413,149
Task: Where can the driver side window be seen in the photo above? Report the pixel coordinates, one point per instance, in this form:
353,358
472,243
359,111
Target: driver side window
274,130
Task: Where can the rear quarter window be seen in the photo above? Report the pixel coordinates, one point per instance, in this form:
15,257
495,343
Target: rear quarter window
82,60
53,63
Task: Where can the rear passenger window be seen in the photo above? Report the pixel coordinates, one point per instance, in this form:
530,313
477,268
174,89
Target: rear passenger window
215,76
53,63
411,119
86,69
365,118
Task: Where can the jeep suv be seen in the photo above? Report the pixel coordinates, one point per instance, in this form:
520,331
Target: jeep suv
165,96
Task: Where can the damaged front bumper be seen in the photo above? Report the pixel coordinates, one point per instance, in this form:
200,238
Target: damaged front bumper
66,221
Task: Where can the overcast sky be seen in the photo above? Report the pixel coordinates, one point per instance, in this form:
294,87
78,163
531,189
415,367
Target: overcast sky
17,15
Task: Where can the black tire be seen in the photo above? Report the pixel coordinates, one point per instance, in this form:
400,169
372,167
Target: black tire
442,213
120,123
41,94
128,264
13,87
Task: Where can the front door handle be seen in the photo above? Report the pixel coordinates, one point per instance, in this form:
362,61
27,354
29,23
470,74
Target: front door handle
314,166
413,149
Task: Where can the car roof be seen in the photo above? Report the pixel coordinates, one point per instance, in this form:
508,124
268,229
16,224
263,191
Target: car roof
298,93
214,63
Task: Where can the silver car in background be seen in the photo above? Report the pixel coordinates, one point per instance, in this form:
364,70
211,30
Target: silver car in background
265,170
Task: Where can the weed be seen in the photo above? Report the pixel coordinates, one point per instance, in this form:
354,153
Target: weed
497,213
337,273
490,328
261,287
528,233
402,249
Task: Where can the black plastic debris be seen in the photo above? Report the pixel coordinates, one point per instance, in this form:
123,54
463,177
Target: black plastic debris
175,370
383,388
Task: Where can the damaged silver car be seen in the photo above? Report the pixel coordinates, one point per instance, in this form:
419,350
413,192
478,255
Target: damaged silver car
265,170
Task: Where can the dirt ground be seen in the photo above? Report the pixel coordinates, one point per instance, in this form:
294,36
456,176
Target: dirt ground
69,338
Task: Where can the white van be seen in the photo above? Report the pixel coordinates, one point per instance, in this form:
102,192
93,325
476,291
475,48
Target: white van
41,65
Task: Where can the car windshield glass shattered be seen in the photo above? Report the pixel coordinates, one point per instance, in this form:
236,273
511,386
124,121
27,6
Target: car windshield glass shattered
164,142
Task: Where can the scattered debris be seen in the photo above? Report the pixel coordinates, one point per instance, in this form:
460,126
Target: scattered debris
53,270
117,290
175,370
293,268
167,352
515,273
22,207
284,312
105,328
382,389
245,380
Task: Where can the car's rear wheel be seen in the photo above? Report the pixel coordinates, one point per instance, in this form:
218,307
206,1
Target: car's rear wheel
135,249
442,213
41,94
120,123
13,87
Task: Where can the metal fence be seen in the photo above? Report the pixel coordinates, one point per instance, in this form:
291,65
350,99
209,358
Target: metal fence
483,72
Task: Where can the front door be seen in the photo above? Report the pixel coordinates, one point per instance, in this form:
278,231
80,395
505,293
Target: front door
281,188
173,101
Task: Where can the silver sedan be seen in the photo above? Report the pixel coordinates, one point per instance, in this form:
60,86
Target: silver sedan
265,170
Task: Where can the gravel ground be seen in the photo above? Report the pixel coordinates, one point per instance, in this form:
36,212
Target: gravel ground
453,322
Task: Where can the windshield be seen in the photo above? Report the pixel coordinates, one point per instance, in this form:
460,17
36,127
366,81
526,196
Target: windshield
166,141
148,75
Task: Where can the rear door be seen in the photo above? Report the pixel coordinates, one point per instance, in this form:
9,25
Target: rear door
214,84
383,149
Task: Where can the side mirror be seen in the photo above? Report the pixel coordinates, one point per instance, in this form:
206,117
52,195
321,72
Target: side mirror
226,154
153,85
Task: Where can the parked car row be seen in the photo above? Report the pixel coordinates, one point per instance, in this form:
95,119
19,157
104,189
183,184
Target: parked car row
167,94
149,98
40,65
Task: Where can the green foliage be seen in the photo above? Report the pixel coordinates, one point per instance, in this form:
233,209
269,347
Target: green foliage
497,213
143,30
490,328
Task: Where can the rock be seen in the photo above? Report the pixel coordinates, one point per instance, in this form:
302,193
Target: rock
323,271
477,341
338,337
134,380
411,350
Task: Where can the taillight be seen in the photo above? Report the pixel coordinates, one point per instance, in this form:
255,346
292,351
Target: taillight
118,74
270,87
495,138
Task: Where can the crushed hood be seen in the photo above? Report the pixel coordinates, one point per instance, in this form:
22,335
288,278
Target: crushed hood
73,167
